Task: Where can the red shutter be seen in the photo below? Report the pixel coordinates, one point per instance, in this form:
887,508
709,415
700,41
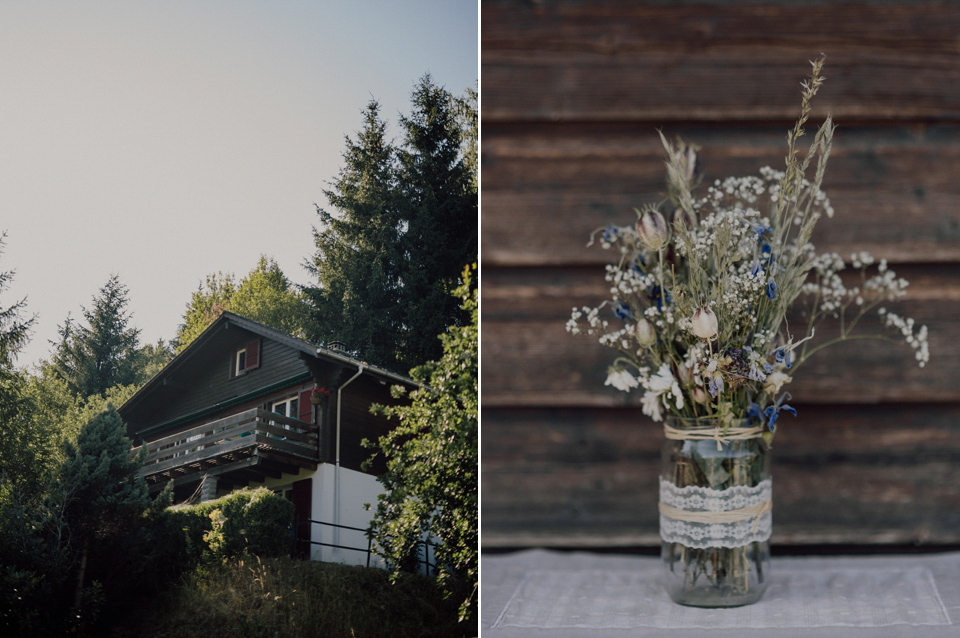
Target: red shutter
306,408
253,355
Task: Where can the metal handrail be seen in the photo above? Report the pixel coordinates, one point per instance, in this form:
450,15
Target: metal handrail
369,550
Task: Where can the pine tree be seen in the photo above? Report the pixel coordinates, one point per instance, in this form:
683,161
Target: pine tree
440,214
103,353
98,487
357,264
404,225
24,449
14,329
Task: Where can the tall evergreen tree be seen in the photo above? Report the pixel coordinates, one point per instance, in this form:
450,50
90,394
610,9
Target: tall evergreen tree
24,449
102,495
440,213
103,353
14,329
404,225
357,263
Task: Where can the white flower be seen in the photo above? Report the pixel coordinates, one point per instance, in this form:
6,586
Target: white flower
621,380
658,387
776,380
704,323
651,406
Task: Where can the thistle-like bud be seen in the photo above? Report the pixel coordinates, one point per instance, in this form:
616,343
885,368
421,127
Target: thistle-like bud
704,323
652,229
646,335
700,395
682,216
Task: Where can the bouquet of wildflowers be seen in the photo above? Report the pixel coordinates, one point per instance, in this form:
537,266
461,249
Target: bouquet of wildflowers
699,306
698,313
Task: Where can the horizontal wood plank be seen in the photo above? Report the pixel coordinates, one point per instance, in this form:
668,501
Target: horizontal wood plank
842,474
545,190
619,61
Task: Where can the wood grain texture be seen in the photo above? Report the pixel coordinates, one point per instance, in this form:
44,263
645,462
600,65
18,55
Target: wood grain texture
615,61
572,95
842,474
545,191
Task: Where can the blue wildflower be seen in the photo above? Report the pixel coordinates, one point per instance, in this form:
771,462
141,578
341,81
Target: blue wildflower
659,296
715,386
768,367
772,289
610,233
782,355
760,230
753,412
773,411
767,253
623,311
756,269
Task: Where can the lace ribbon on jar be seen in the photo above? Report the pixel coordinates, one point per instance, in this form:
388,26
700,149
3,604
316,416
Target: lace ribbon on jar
701,517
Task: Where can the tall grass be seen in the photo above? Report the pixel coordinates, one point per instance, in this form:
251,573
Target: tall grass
286,598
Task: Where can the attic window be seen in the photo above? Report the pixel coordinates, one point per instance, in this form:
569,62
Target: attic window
247,358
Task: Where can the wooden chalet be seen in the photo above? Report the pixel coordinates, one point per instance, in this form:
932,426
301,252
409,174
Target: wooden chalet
247,405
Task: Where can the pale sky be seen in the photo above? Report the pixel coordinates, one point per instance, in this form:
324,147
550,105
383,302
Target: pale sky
163,141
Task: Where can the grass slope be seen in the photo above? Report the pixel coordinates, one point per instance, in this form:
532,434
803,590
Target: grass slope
285,598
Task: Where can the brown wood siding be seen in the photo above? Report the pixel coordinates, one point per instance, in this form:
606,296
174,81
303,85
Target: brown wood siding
357,423
209,381
572,96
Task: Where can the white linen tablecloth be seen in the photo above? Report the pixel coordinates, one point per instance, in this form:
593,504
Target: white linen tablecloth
538,593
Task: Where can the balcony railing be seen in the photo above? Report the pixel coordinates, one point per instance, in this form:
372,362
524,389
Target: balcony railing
239,448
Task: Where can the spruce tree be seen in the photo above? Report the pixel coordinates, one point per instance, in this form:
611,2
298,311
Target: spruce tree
440,216
24,449
358,259
403,225
98,487
103,353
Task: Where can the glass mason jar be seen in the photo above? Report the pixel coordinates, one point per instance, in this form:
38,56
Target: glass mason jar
715,518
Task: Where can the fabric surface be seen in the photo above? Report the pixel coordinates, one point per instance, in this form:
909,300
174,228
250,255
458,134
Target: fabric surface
541,593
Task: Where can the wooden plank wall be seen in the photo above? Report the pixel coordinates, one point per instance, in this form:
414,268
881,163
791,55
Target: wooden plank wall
572,95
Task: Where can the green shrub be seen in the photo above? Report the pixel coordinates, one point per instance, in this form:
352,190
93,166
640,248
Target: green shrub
242,522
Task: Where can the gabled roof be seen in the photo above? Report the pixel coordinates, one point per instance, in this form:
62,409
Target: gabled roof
211,338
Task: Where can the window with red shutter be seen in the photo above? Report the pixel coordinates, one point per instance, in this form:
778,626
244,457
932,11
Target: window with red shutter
247,358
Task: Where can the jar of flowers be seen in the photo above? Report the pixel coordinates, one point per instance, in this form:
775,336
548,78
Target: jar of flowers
698,314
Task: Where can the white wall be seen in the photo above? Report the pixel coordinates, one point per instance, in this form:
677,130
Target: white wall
356,489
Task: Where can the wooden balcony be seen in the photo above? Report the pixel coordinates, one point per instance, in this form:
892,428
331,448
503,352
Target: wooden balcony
239,449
